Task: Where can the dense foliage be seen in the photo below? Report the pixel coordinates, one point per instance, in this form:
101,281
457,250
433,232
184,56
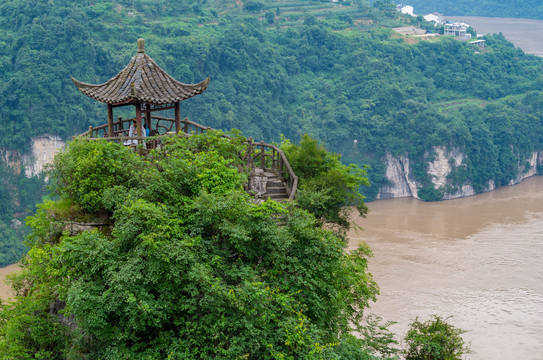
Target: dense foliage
189,267
18,198
434,339
527,9
328,189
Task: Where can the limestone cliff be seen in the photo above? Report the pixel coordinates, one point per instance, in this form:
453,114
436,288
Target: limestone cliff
531,170
18,165
398,175
43,150
441,162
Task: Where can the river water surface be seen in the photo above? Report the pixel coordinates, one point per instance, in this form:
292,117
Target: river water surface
478,259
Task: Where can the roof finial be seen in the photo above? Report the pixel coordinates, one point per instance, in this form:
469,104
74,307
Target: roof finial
141,45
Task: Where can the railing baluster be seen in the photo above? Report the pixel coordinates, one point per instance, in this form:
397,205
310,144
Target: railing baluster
262,158
250,152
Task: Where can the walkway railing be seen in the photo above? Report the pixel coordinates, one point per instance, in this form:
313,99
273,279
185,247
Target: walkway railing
270,158
257,155
162,124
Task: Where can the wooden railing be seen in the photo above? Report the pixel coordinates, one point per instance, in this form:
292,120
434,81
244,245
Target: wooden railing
270,158
162,124
257,155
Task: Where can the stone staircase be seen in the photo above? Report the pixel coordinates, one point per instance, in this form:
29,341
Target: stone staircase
264,184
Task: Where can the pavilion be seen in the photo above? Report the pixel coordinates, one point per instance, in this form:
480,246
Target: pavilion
144,85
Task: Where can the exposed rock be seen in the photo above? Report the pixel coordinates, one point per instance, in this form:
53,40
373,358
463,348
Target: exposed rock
15,224
531,171
55,309
44,149
441,167
75,227
12,159
401,183
444,161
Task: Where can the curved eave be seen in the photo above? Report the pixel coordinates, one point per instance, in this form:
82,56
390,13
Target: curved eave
99,91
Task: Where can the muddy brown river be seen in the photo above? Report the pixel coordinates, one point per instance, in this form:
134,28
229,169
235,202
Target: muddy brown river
478,259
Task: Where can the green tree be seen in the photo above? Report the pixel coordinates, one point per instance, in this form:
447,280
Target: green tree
327,188
434,339
253,6
270,17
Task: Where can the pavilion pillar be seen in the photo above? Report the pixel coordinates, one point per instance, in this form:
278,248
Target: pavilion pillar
177,118
110,120
138,120
148,117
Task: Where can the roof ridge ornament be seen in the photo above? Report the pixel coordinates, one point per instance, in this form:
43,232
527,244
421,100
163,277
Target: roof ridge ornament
141,45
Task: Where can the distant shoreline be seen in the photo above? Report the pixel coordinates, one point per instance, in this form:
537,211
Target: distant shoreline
5,290
526,34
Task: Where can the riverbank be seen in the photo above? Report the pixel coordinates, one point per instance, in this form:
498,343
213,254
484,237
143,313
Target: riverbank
5,290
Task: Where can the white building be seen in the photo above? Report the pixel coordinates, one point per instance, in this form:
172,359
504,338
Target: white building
457,29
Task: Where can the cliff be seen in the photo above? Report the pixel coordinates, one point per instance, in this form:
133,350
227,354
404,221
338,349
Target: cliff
441,163
21,184
43,150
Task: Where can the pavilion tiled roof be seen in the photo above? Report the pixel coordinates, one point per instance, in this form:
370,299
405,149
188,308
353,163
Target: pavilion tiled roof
142,80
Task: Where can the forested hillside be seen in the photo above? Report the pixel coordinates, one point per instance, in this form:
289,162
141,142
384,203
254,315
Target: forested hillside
335,71
528,9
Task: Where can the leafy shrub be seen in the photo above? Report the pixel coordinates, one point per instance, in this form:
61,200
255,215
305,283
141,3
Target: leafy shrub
327,188
88,168
191,269
434,339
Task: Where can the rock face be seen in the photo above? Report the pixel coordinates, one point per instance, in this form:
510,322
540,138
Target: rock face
401,184
441,162
44,149
531,171
17,163
445,161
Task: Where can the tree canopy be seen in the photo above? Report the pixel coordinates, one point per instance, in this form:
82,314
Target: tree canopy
189,267
328,188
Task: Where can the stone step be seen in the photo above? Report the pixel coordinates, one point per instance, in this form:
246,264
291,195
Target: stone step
275,184
275,187
276,190
283,196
